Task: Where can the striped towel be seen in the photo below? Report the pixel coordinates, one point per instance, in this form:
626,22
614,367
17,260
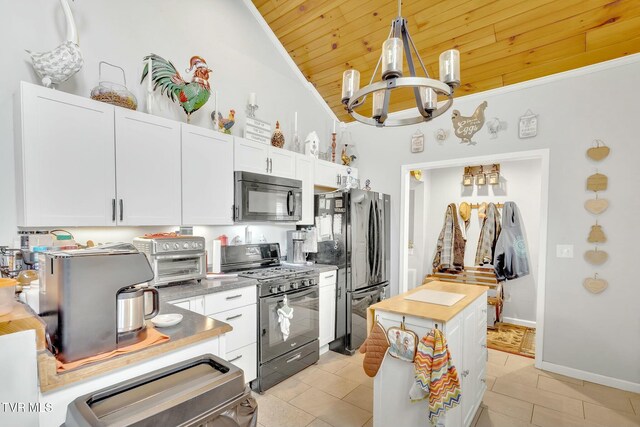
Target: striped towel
435,376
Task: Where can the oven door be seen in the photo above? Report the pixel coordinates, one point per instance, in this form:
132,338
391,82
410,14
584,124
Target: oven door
178,268
267,198
303,327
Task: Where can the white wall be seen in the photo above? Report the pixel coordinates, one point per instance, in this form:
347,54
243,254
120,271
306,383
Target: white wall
223,32
597,334
520,183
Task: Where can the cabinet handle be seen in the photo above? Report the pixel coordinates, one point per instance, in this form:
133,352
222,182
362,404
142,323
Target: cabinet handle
235,358
465,373
237,316
121,210
234,296
330,276
338,179
483,380
270,165
113,210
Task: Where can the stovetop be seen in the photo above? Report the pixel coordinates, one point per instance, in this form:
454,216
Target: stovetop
272,273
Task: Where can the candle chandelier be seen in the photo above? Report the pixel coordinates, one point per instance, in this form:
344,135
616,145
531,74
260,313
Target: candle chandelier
425,89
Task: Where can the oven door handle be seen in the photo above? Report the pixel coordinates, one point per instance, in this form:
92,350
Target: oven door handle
299,293
179,256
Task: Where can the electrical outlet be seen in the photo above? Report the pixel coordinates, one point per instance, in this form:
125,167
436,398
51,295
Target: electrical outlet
564,251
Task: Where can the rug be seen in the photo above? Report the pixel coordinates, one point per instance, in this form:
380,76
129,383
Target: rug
512,339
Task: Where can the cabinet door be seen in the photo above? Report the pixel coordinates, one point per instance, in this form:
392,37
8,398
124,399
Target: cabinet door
469,374
305,173
326,174
282,162
327,314
207,177
65,160
148,169
250,156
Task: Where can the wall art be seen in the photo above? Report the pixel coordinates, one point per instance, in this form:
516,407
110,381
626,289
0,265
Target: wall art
528,125
465,127
595,285
494,126
599,152
597,182
417,142
58,65
190,95
596,257
596,235
596,206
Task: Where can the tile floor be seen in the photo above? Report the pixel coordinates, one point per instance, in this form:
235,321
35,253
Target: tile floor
336,393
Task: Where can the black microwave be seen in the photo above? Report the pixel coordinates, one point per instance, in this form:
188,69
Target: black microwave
266,198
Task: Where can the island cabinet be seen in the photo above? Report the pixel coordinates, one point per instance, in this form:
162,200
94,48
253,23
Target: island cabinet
464,327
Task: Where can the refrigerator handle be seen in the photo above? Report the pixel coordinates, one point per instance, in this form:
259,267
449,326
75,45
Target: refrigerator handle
381,242
376,237
371,244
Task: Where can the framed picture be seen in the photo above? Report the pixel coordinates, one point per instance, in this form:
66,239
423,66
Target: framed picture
528,125
417,142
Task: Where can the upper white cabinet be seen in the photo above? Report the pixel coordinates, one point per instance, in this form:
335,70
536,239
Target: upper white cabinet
305,172
148,169
207,176
65,159
328,174
264,159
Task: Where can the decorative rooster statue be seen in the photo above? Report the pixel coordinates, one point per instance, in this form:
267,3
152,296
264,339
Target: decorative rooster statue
466,127
225,125
191,96
58,65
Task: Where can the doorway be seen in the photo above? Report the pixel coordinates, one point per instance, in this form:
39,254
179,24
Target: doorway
523,179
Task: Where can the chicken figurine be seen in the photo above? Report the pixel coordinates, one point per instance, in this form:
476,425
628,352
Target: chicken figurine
225,125
466,127
58,65
190,95
345,157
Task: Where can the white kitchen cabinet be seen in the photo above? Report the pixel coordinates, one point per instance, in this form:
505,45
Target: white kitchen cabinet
327,308
264,159
195,304
467,346
207,177
305,172
328,174
245,358
65,159
148,169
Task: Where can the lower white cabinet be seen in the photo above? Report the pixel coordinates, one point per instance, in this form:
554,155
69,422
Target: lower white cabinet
327,333
195,304
245,358
466,340
244,321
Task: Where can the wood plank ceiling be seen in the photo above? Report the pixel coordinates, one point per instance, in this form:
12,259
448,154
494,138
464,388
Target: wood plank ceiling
501,42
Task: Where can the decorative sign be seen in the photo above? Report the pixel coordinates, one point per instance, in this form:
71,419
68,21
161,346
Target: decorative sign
466,127
528,126
597,182
596,206
596,235
417,142
595,285
599,152
596,257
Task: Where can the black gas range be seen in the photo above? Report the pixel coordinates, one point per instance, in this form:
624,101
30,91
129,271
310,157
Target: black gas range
288,310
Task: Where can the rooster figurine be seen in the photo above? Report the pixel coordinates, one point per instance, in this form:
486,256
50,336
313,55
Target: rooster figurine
191,96
466,127
58,65
225,125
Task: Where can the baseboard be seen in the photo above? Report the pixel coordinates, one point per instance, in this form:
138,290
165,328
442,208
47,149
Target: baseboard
324,349
519,322
591,377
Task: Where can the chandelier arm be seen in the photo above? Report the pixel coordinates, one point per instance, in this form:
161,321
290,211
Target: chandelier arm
426,73
412,69
379,60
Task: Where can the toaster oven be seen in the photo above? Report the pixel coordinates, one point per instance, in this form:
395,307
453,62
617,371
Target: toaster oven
174,259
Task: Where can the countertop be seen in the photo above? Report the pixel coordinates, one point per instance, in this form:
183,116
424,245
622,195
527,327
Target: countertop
320,268
206,286
425,310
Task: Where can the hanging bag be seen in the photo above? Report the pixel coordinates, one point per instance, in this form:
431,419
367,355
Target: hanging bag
402,343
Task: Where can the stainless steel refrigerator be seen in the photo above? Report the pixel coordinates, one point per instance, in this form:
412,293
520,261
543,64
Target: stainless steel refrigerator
353,234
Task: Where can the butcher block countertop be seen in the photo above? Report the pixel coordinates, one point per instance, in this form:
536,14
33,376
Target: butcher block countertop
425,310
192,329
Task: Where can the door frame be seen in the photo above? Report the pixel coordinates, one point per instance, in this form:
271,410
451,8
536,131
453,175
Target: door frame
543,156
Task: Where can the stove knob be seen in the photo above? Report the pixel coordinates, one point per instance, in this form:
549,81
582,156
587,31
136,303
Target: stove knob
176,246
312,282
273,289
304,283
185,245
282,288
194,245
165,246
297,285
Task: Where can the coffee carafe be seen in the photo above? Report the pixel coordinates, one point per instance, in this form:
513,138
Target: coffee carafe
295,247
131,313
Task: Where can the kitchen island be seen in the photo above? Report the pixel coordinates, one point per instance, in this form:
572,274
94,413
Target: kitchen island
464,325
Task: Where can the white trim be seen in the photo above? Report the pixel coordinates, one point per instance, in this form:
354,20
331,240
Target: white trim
520,322
589,69
543,156
287,58
591,377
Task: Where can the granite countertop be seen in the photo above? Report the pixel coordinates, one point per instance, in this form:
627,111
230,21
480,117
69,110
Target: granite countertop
320,268
206,286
